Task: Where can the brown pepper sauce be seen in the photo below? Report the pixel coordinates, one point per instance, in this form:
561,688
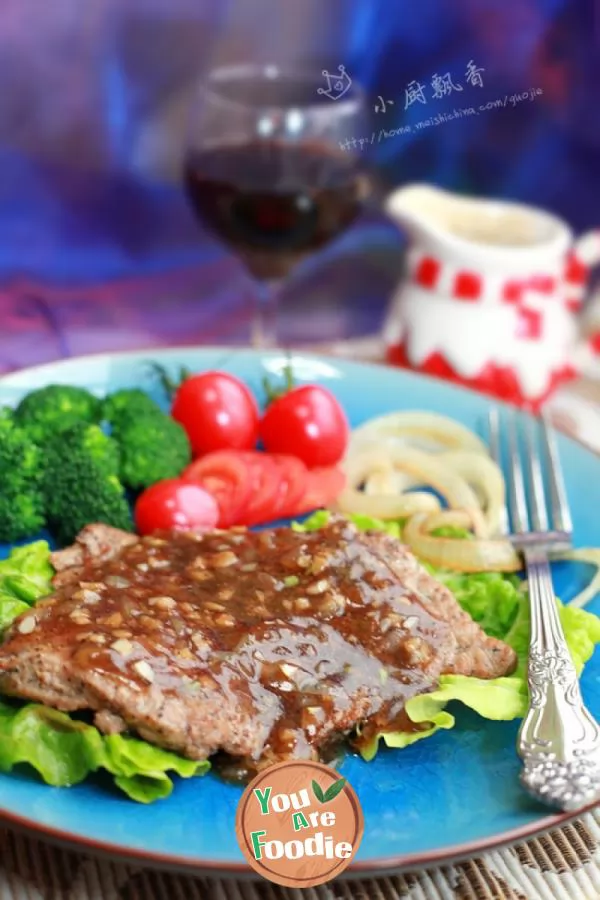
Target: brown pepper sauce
311,617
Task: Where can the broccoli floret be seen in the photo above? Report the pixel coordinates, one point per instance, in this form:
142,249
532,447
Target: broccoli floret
152,447
128,403
21,496
82,495
92,442
7,416
81,484
21,516
20,458
54,409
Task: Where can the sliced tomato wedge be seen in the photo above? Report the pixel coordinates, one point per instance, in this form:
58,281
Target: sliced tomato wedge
293,485
324,485
253,488
227,476
265,486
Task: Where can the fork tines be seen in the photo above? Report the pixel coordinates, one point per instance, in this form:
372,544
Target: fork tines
529,450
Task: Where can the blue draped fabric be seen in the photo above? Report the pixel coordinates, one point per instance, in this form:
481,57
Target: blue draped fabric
93,103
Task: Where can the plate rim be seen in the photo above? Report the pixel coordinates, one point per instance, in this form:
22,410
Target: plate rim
372,867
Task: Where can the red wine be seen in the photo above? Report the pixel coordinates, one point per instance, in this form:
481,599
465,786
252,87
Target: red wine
274,202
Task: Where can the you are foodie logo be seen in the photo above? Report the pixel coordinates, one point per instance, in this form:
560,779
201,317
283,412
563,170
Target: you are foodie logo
299,824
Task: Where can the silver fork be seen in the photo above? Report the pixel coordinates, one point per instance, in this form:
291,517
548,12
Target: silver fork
559,740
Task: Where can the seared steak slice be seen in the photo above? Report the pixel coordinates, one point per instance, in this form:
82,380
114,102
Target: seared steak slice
264,645
476,653
94,543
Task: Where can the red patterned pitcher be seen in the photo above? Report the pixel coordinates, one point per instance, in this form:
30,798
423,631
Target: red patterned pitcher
490,294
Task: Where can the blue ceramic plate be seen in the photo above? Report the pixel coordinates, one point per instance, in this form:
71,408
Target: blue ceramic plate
451,795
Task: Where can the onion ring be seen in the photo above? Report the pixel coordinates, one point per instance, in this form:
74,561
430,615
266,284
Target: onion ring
481,472
591,556
457,554
424,430
389,482
485,476
423,468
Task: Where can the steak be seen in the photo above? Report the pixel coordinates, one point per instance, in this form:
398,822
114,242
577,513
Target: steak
95,544
262,645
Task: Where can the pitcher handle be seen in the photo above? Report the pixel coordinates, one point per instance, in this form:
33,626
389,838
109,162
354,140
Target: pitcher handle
586,249
584,256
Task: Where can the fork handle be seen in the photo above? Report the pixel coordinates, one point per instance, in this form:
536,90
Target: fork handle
559,741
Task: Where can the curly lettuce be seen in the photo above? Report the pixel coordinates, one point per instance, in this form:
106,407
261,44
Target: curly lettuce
500,605
63,750
27,572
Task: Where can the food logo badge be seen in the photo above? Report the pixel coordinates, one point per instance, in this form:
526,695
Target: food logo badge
299,824
337,85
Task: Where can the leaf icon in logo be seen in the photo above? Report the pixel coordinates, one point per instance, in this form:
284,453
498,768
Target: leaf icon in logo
318,792
334,789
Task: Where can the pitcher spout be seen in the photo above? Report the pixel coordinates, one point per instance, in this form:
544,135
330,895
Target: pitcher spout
467,226
420,209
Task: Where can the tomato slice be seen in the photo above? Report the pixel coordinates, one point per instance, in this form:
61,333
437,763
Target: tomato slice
226,475
265,487
294,481
252,488
324,485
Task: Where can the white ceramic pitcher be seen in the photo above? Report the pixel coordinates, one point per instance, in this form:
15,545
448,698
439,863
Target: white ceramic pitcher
490,293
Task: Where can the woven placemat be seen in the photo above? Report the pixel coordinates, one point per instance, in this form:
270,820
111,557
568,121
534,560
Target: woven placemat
561,865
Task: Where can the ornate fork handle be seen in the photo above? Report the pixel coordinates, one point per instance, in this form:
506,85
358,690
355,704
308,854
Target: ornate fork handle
559,741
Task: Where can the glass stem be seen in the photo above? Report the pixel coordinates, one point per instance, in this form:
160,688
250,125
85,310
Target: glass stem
264,322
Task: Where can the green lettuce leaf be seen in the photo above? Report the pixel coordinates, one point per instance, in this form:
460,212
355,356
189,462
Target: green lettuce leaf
500,605
320,518
492,599
10,608
452,531
65,751
26,575
62,750
500,699
140,769
581,628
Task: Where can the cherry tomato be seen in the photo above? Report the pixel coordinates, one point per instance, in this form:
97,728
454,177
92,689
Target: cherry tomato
226,475
218,412
175,505
309,423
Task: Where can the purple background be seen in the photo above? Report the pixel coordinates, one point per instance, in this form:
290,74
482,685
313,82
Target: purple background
97,247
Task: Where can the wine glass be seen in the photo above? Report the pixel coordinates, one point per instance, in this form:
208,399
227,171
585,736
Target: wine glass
273,167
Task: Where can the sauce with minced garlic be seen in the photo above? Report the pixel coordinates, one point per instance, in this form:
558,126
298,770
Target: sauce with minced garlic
311,617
